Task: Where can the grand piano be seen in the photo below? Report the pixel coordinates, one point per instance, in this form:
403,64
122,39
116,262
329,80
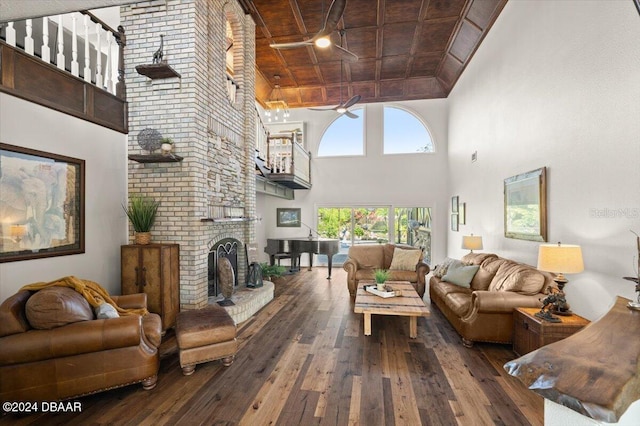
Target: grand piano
296,246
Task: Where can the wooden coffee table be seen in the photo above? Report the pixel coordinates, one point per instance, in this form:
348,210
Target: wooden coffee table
410,304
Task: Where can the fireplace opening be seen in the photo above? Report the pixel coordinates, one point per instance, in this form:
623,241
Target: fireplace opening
229,248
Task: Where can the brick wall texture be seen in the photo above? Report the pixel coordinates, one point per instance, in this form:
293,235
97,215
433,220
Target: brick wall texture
215,136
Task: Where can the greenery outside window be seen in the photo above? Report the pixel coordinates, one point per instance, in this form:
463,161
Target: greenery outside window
371,225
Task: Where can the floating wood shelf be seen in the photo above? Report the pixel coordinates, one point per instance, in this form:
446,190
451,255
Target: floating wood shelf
155,158
227,219
157,71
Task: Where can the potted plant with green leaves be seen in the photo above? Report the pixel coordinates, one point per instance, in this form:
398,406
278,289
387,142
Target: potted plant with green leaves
269,271
381,276
166,145
142,212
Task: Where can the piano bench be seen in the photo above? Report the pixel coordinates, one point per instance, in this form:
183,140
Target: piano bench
279,256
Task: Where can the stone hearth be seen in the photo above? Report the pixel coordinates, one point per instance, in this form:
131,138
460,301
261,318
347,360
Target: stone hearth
247,301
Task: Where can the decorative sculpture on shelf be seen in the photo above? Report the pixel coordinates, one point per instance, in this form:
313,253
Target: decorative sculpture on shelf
149,139
636,279
158,54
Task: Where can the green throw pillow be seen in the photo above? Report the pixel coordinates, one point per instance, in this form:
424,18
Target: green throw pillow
461,275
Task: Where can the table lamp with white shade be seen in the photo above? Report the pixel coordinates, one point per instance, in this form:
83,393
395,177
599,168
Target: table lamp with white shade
472,242
560,259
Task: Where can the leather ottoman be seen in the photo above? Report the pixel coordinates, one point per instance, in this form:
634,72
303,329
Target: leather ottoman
204,335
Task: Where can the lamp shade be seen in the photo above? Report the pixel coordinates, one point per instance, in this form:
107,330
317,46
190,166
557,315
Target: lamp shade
18,231
560,258
472,242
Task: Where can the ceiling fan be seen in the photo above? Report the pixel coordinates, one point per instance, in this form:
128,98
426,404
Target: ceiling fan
321,38
342,107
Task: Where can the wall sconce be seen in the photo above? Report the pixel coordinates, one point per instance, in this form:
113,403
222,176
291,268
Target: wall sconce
472,242
17,232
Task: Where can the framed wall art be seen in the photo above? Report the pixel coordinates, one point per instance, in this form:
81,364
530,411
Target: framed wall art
462,213
288,218
454,204
525,206
454,222
41,204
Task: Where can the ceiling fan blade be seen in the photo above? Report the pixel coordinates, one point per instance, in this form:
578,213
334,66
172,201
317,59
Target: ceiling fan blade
351,101
350,114
292,45
336,9
344,53
324,109
330,24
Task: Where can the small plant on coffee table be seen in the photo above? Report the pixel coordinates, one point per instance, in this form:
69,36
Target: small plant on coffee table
381,276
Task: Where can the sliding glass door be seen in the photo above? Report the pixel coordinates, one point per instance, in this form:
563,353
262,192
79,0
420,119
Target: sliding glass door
375,225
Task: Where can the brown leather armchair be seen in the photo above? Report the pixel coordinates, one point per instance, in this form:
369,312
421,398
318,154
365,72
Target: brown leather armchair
78,358
364,259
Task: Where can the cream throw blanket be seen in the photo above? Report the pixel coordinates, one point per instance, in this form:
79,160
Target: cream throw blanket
93,292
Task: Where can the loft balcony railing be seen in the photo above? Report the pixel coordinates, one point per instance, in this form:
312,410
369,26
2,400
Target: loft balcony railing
289,162
71,42
48,60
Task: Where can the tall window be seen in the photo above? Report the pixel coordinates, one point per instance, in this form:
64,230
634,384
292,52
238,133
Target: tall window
404,133
345,136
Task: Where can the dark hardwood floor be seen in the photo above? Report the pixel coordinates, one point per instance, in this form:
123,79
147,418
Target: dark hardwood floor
304,359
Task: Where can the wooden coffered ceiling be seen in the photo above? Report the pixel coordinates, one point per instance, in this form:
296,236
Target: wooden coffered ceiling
407,49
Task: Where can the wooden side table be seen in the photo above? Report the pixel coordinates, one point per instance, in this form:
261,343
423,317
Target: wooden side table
531,332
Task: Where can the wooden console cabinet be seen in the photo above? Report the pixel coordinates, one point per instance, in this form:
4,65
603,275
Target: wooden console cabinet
153,269
531,332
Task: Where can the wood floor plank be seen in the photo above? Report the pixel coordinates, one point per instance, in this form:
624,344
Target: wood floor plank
354,406
304,360
274,393
404,406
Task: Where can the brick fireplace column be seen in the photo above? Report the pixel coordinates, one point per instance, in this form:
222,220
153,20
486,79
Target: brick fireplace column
214,133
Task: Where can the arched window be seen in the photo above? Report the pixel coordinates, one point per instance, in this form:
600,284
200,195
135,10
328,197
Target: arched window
345,136
404,133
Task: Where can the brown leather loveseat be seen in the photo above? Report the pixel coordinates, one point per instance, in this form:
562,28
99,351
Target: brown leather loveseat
482,311
71,353
364,259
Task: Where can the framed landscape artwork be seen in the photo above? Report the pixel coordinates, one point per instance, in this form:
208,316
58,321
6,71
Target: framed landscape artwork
525,206
454,222
288,218
41,204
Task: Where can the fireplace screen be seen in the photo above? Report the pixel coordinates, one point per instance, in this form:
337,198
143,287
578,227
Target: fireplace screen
224,248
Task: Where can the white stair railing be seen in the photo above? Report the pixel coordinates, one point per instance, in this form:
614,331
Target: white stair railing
106,70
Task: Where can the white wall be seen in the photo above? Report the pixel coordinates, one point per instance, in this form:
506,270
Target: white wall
556,84
413,180
33,126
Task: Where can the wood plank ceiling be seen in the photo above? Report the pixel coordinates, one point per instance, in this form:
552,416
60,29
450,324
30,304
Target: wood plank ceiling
407,49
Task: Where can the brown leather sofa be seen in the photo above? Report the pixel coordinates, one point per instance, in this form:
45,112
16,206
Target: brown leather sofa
484,311
364,259
79,358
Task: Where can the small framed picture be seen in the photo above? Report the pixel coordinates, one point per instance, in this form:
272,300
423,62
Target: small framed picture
454,222
454,204
289,218
462,213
